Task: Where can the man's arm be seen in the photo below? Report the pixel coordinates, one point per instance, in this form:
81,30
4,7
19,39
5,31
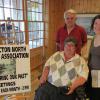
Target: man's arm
57,46
84,51
84,37
57,41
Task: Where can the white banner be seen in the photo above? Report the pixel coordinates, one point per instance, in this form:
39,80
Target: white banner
14,69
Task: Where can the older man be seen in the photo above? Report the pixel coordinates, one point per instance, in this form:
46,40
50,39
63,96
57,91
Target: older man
71,29
63,73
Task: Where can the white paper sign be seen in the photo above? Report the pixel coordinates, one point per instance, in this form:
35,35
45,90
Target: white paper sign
14,69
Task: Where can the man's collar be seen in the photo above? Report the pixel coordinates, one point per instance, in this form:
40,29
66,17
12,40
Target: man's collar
65,27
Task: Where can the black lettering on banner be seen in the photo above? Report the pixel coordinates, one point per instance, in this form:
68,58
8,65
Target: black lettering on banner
10,89
25,87
5,77
4,90
14,55
18,49
21,76
13,76
5,84
5,49
14,88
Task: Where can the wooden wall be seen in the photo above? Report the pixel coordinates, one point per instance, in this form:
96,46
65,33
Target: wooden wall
84,6
56,20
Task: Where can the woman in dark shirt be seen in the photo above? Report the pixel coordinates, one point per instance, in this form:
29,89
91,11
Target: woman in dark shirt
94,61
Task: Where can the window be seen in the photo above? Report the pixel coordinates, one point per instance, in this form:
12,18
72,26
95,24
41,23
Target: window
36,22
11,21
14,12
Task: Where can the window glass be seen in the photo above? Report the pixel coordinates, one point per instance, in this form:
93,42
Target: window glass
40,8
6,3
13,4
20,15
14,13
2,14
19,4
29,5
13,10
7,13
12,26
31,36
33,16
41,35
30,26
42,26
36,24
40,16
30,16
35,34
40,1
1,3
31,44
34,43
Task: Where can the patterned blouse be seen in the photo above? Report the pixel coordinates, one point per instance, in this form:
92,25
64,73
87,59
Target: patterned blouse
64,72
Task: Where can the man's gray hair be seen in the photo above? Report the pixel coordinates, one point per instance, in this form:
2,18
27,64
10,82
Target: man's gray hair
69,11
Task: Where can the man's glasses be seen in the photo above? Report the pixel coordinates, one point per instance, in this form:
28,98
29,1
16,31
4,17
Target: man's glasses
69,18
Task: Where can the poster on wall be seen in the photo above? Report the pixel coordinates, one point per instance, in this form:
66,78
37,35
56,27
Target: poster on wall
14,69
85,21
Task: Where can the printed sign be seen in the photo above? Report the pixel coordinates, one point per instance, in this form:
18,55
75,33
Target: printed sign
14,69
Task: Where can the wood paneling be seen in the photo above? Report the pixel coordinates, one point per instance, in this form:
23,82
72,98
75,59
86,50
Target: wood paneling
36,57
84,6
56,11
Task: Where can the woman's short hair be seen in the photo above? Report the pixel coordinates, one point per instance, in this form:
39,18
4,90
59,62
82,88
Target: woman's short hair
70,39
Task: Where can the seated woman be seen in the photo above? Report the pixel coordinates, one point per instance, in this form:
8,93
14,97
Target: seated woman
63,73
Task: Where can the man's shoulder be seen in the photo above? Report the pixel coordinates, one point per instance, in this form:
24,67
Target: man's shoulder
80,27
62,28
